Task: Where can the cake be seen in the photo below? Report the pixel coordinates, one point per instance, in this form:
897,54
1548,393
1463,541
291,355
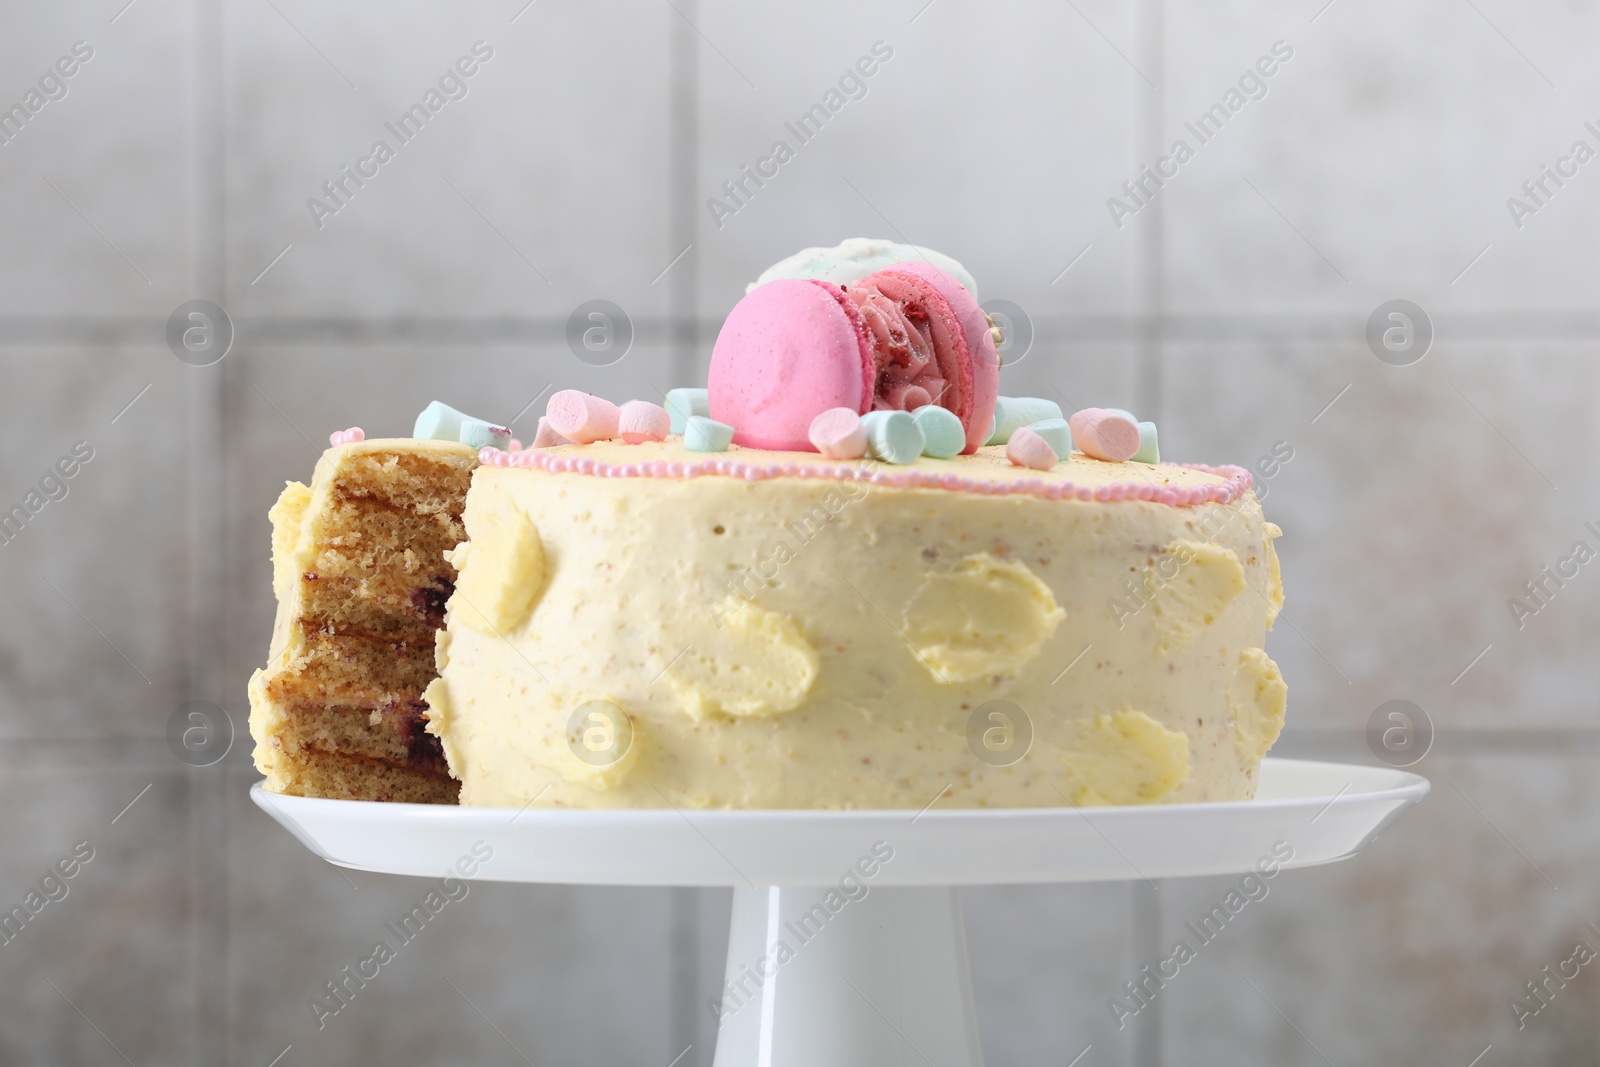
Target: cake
847,574
361,581
823,638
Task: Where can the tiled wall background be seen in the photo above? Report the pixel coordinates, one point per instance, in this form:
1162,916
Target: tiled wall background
1419,499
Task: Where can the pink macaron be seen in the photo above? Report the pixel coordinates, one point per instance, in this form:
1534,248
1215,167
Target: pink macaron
788,351
792,349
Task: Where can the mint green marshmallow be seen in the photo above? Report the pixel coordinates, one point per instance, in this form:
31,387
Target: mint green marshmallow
439,422
701,434
1012,413
942,432
1149,450
480,434
893,436
682,403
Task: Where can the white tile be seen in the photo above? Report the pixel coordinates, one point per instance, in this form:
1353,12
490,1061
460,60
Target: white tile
542,187
101,572
713,911
1413,509
559,974
987,135
1381,157
1040,957
94,190
1411,951
119,946
1074,372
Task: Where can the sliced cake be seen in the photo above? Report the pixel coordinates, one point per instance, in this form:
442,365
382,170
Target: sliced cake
361,578
848,573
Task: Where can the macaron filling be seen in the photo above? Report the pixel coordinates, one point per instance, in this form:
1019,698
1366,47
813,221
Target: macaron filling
919,348
906,374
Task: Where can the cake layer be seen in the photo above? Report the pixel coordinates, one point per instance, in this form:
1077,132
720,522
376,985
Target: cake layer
392,733
353,668
380,591
340,776
372,558
638,626
360,572
351,752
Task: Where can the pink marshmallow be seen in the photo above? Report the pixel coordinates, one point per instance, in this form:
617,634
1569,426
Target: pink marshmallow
1028,449
546,436
1103,434
515,446
640,420
838,434
581,417
345,437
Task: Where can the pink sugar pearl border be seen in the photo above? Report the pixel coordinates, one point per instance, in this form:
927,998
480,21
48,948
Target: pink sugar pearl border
1238,481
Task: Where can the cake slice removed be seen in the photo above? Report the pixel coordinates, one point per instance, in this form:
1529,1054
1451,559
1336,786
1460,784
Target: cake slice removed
361,580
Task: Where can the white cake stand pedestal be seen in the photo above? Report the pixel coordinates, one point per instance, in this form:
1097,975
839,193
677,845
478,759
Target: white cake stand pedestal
847,947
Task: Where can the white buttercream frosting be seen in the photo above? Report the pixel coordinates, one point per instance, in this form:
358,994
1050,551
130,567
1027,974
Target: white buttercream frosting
856,257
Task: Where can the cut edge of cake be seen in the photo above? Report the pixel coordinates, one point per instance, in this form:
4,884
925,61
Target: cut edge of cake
361,580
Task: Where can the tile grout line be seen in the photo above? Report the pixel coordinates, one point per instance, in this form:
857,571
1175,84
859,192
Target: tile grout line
1149,388
1144,912
208,791
1144,945
683,295
30,333
683,281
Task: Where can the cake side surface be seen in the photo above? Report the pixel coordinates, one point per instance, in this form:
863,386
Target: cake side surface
811,637
361,581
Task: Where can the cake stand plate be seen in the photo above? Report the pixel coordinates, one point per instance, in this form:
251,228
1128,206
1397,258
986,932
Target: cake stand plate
847,946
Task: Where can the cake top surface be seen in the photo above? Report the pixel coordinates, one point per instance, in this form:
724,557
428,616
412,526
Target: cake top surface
869,362
986,471
423,446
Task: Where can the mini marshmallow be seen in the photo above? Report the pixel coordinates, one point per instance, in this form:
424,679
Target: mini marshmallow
1056,432
838,434
480,434
1149,450
439,422
1011,413
515,446
942,432
347,437
702,434
582,417
1106,435
546,436
1029,449
682,403
640,420
893,436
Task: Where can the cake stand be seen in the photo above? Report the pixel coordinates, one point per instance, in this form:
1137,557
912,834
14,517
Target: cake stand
847,947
